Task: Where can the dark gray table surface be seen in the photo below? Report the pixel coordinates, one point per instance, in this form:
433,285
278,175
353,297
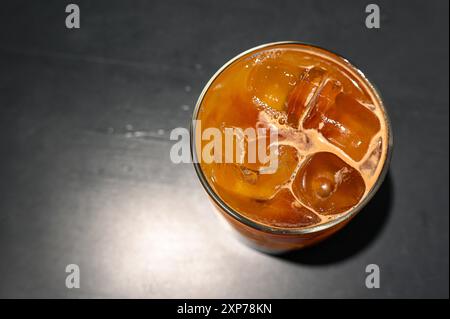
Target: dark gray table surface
77,187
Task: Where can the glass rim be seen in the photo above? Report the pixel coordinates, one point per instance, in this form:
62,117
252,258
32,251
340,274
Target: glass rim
279,230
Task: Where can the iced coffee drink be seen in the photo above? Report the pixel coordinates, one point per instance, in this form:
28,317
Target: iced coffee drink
327,131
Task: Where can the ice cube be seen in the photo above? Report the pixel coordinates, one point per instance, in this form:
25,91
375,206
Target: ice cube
271,81
322,102
327,184
244,113
347,124
246,179
303,93
283,211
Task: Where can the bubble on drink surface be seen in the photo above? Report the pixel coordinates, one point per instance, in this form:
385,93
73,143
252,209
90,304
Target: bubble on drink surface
246,179
327,184
370,164
324,187
346,123
270,82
